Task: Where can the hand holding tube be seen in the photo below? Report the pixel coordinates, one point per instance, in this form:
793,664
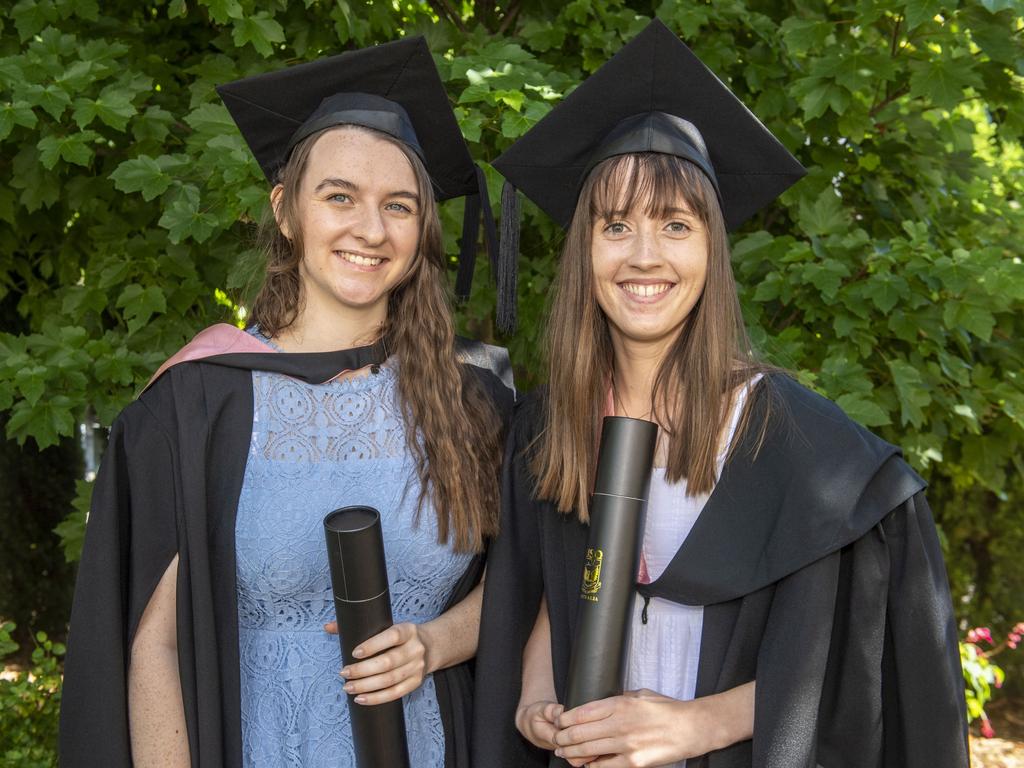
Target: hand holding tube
355,552
394,663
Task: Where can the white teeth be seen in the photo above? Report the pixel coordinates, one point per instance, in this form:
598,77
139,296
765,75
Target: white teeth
646,290
355,258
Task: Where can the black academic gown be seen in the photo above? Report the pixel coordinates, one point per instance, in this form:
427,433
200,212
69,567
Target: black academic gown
169,485
820,571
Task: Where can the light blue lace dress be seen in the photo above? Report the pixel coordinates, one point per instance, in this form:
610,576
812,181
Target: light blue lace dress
314,449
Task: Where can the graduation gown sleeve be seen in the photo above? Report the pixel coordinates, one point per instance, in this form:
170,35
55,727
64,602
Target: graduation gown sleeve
168,485
129,542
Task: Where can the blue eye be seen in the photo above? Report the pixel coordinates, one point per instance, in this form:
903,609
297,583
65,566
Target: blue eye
678,226
339,197
398,207
615,228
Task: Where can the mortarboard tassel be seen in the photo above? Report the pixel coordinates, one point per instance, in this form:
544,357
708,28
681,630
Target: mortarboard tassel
490,231
506,273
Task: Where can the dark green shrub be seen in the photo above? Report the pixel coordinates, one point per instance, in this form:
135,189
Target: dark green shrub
30,704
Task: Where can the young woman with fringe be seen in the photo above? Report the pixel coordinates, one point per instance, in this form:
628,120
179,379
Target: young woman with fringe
791,602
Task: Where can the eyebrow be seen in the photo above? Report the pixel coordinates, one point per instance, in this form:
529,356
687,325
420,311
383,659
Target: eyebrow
336,182
620,213
345,184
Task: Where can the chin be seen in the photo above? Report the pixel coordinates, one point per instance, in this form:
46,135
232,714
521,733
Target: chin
648,334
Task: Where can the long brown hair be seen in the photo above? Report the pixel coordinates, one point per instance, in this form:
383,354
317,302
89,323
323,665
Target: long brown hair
450,420
704,365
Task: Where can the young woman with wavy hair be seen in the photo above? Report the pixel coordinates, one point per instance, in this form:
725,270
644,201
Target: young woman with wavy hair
790,606
203,628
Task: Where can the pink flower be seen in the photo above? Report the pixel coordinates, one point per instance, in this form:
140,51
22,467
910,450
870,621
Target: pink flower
983,633
972,636
986,728
1019,628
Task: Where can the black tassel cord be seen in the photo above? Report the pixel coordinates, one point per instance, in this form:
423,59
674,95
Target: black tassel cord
506,271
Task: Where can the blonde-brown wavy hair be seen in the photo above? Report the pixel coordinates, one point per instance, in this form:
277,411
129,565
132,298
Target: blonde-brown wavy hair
451,423
709,359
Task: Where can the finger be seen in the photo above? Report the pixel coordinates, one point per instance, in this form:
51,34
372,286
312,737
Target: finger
591,750
577,762
331,627
383,697
378,665
544,731
390,693
552,711
389,638
386,680
585,732
587,713
609,761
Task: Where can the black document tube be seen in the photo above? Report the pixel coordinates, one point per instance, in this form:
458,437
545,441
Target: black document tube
598,662
362,601
597,665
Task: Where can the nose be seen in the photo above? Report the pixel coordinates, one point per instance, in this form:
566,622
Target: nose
646,252
369,226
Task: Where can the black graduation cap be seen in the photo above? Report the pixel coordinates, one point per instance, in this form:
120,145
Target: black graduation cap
394,88
654,95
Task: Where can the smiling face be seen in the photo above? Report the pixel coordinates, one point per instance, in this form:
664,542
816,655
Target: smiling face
358,210
649,259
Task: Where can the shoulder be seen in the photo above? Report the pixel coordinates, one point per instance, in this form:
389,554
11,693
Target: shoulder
491,366
486,356
183,391
819,454
501,397
809,420
528,420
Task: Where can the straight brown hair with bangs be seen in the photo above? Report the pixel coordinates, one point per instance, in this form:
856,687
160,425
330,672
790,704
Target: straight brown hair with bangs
706,363
449,418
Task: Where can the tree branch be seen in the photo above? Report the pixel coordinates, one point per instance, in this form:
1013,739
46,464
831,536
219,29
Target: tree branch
445,10
894,46
510,16
889,99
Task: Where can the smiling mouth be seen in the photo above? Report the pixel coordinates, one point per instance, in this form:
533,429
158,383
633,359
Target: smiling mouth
646,290
359,260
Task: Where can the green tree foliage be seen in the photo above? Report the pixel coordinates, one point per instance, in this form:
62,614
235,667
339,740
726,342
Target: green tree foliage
890,278
38,486
30,703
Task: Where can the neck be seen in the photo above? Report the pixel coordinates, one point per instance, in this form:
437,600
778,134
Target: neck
323,330
636,367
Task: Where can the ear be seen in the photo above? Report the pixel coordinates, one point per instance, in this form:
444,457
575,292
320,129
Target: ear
276,199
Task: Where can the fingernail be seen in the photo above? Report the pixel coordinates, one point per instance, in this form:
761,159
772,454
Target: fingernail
344,672
348,687
358,653
558,751
360,699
